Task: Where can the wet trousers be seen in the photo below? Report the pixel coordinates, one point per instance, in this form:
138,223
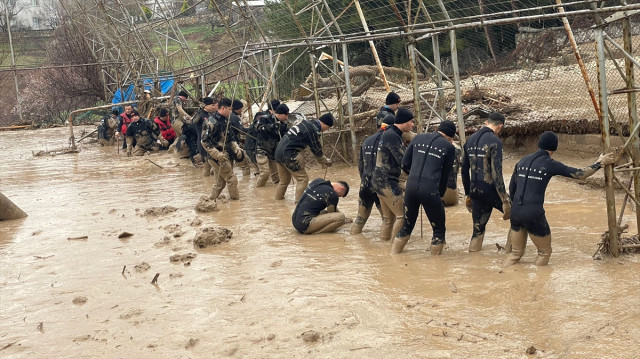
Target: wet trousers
481,211
268,168
392,213
325,223
224,177
433,208
301,177
367,197
450,197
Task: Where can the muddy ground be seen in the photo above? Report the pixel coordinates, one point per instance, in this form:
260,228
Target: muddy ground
269,292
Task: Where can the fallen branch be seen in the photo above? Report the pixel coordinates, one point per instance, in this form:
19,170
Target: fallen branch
154,163
81,238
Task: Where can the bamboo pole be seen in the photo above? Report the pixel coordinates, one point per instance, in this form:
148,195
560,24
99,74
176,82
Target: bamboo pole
354,140
373,46
606,142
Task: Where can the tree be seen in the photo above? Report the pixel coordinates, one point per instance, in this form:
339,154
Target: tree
14,7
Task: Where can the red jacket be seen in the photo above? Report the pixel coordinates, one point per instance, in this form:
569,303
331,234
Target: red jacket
165,128
125,121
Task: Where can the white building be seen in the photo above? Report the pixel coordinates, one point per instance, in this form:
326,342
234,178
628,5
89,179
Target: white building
33,14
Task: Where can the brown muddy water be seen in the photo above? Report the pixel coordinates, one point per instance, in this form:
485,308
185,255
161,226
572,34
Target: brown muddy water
273,293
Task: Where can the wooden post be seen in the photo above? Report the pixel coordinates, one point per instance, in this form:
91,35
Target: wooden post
347,81
373,46
314,78
603,116
633,112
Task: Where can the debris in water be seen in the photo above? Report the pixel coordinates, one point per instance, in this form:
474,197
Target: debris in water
191,343
210,236
452,287
155,279
311,336
182,257
531,350
142,267
195,222
81,238
41,327
159,211
125,235
79,300
206,205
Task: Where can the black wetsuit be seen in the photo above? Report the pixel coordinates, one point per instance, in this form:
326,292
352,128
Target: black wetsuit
235,125
452,182
482,176
527,188
145,132
316,197
428,160
384,111
213,135
366,166
104,131
250,141
306,133
202,119
269,132
388,161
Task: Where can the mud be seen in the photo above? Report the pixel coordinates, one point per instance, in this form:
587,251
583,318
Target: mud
210,236
205,205
255,295
159,211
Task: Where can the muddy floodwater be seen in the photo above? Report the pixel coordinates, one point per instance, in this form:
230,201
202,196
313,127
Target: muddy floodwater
270,292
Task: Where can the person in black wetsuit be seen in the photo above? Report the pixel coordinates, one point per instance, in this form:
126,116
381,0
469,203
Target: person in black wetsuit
482,177
428,160
367,197
450,197
250,142
527,188
107,128
240,132
385,180
208,112
392,102
306,133
145,134
317,209
269,132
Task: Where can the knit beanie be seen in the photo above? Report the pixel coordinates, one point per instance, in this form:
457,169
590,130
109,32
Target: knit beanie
392,98
403,115
183,93
208,101
274,104
548,141
448,128
389,119
115,112
282,109
237,104
163,112
327,119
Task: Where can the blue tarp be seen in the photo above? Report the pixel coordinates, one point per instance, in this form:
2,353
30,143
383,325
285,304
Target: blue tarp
166,83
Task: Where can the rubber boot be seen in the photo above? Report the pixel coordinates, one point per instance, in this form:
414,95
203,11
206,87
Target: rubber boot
544,249
436,249
387,227
302,181
233,188
398,244
361,219
476,243
518,244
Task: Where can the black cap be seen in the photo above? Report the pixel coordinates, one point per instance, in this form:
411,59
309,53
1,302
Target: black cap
135,113
403,116
163,112
208,101
327,119
225,102
237,104
274,104
115,112
548,141
282,109
389,119
392,98
496,117
448,128
183,93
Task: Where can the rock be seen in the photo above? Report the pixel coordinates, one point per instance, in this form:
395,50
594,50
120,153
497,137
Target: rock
210,236
182,257
531,350
206,205
311,336
159,211
271,336
142,267
191,343
125,235
195,222
79,300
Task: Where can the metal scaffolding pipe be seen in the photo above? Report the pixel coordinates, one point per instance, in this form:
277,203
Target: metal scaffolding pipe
354,140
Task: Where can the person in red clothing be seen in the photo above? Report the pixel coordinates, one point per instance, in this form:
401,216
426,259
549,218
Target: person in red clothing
164,124
123,122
